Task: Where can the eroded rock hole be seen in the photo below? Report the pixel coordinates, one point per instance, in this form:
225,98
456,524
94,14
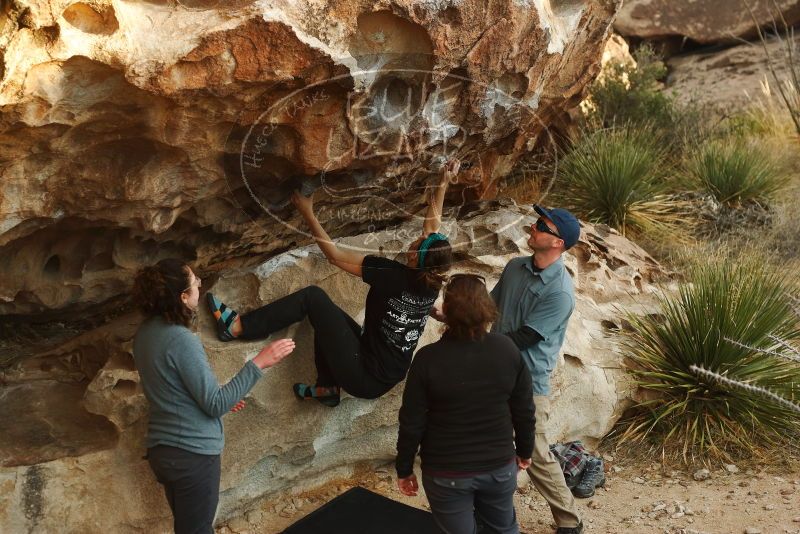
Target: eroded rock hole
397,95
91,19
637,281
386,117
53,265
47,35
25,19
582,252
609,325
383,31
126,387
451,16
99,262
615,263
259,163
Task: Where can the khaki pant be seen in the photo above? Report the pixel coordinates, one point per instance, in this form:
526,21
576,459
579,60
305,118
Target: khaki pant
546,473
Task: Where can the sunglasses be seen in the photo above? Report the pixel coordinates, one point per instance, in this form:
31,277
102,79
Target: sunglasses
541,226
466,275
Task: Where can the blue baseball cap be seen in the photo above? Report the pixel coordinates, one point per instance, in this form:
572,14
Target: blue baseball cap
566,223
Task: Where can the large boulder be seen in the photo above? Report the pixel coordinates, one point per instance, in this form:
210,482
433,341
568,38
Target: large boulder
86,473
132,131
706,21
732,78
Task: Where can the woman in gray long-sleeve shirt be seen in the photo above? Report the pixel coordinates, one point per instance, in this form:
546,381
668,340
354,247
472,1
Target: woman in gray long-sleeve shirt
184,432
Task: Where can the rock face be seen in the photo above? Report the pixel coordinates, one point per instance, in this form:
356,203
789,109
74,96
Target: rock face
729,78
706,22
277,444
133,131
616,51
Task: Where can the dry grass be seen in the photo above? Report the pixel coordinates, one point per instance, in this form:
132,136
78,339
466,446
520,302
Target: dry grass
532,179
767,116
524,191
788,86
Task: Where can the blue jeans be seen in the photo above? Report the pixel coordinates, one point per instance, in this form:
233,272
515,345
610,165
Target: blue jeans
456,502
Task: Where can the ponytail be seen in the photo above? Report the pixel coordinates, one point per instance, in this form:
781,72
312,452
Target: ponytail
157,291
434,259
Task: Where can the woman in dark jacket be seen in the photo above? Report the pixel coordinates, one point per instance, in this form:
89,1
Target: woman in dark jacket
366,362
184,431
468,407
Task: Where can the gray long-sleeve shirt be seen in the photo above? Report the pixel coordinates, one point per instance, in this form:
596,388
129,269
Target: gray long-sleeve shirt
186,400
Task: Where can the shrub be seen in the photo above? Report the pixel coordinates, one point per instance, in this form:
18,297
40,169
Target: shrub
617,177
735,171
723,322
630,94
532,177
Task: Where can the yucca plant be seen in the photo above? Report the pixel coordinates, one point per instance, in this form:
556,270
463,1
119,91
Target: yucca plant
735,321
617,177
736,171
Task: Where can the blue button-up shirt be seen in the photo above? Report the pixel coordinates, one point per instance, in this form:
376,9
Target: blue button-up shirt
541,300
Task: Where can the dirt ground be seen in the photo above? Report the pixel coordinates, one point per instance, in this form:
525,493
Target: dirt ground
638,497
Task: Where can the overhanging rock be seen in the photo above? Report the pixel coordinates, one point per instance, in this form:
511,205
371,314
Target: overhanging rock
132,131
278,444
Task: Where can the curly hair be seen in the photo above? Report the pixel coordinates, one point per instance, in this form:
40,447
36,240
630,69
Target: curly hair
437,261
157,291
468,307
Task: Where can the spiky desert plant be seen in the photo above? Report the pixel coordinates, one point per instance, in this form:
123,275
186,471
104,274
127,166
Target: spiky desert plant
730,383
692,414
617,177
736,171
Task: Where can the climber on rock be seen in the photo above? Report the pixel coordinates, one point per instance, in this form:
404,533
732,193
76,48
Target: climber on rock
366,362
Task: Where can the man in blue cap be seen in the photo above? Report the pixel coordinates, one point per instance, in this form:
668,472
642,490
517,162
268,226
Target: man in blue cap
535,298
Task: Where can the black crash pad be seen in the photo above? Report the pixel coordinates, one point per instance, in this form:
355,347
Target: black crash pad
360,511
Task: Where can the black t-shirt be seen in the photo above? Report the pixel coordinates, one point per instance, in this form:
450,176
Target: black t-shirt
396,312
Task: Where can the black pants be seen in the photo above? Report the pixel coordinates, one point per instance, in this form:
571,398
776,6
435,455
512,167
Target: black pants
337,339
191,484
